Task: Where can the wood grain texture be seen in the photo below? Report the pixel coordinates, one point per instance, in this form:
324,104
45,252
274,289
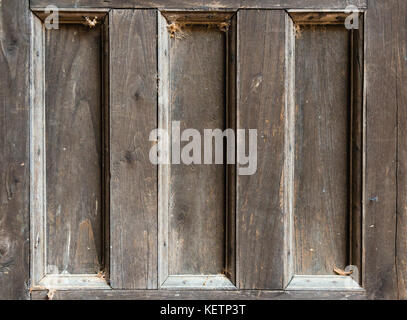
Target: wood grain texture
321,209
37,154
133,114
385,26
231,98
261,106
197,192
203,4
401,82
357,147
14,146
73,149
197,295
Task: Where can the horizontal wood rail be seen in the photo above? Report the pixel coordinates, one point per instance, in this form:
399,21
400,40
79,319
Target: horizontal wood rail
202,4
194,295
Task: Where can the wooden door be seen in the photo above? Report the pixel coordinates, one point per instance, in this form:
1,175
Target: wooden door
319,216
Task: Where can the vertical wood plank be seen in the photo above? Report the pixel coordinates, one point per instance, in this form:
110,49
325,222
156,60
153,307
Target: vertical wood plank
400,21
164,122
37,153
14,146
321,210
133,90
385,21
73,149
261,106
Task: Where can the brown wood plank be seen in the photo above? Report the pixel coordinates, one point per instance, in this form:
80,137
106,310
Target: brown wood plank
321,209
383,42
203,4
196,295
261,106
401,77
14,146
73,149
197,192
133,90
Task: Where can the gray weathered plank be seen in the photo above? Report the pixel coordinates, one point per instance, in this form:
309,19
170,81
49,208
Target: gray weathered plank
383,46
73,149
203,4
164,124
321,208
14,146
133,114
198,295
261,106
197,192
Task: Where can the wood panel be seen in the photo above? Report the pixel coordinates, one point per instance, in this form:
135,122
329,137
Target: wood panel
14,146
73,149
401,77
384,28
203,4
197,211
261,106
133,114
322,103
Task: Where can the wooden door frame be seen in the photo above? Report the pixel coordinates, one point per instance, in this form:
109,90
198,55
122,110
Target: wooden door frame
382,277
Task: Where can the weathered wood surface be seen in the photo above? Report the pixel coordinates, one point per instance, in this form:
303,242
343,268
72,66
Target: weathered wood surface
133,114
197,192
385,213
231,47
357,151
321,209
261,106
203,4
73,149
14,146
385,228
400,19
197,295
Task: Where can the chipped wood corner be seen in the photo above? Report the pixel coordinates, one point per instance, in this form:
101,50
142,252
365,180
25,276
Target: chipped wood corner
51,293
297,28
175,31
102,275
91,23
37,288
341,272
